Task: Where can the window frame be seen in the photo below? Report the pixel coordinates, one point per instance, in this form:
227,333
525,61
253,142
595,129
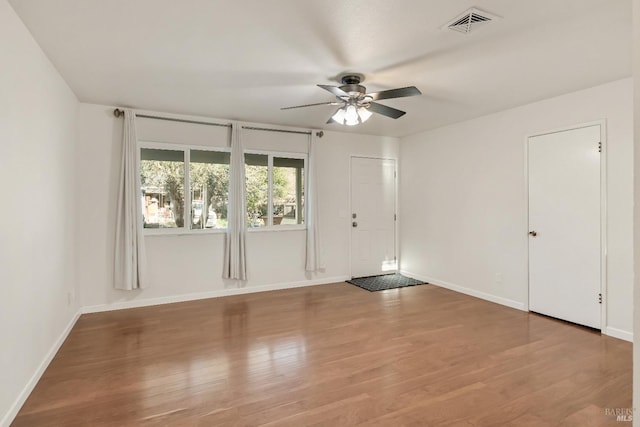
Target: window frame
186,150
270,155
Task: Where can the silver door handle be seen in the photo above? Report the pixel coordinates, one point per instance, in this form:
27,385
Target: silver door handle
354,224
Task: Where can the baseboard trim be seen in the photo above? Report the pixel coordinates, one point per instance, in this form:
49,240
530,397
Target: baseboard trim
120,305
467,291
8,417
618,333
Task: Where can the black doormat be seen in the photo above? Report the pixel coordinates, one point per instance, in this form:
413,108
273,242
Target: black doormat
387,281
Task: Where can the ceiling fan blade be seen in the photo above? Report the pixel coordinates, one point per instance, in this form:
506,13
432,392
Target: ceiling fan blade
386,111
395,93
334,90
311,105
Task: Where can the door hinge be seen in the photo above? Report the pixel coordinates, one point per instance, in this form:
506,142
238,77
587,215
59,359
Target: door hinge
599,147
395,217
395,174
599,298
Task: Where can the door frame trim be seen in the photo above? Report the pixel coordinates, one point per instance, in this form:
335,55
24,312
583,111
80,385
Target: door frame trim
603,210
396,187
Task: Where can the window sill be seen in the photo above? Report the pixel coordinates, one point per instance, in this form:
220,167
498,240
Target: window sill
154,232
180,232
277,228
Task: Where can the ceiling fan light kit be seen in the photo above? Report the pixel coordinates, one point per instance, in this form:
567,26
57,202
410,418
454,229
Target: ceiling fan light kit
356,105
351,115
364,114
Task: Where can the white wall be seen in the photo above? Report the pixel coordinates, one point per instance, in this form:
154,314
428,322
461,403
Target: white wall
462,193
37,169
636,213
187,266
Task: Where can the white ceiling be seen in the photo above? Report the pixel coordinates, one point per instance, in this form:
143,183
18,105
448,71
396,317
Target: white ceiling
245,59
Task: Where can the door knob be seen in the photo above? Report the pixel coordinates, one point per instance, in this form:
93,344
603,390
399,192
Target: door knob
533,233
354,224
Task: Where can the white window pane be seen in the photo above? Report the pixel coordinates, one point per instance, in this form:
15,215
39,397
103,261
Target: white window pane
162,179
257,189
209,174
288,191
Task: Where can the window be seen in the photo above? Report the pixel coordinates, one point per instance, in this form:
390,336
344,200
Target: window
209,174
162,178
288,194
163,183
257,189
274,189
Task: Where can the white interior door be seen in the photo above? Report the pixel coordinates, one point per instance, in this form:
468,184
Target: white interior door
564,225
373,205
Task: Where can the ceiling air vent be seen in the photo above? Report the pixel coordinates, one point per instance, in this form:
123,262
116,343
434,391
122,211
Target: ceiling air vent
470,20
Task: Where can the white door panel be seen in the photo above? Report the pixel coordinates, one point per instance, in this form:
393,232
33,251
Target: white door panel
564,213
373,199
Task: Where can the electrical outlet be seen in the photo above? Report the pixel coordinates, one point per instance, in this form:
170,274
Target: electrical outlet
498,278
70,297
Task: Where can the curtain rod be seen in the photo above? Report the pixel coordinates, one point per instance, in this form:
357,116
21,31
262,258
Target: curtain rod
320,134
118,112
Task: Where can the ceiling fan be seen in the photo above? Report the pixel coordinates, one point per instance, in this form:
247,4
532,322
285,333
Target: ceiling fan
356,106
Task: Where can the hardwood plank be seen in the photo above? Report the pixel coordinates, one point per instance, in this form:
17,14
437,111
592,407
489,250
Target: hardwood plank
331,355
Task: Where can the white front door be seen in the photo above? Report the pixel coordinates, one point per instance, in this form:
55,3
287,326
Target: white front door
373,216
564,225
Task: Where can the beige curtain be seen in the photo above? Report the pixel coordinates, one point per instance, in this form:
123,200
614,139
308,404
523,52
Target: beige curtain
235,266
314,256
130,258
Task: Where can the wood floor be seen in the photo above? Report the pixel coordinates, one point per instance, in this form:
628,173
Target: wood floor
332,355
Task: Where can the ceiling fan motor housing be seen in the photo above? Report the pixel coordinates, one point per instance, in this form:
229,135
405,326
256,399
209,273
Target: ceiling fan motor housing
354,90
351,85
